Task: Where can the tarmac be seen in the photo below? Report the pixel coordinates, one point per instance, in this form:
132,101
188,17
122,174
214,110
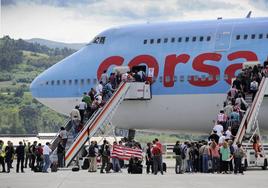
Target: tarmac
83,179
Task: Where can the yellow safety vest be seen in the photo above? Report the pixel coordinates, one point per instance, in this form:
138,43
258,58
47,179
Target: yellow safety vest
2,152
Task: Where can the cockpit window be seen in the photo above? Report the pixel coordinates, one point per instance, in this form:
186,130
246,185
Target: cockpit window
98,40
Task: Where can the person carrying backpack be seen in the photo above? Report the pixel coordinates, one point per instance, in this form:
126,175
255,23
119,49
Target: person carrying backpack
254,85
238,155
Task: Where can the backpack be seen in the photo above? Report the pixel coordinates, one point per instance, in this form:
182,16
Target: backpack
239,153
254,86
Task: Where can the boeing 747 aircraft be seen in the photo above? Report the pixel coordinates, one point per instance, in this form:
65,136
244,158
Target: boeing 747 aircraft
193,64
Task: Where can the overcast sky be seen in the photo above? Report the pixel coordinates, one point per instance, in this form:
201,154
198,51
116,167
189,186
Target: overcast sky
81,20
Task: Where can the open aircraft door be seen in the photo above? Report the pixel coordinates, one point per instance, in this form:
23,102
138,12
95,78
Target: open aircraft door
223,36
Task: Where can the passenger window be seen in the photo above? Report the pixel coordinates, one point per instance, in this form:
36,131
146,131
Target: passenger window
152,41
75,81
186,39
208,38
253,36
194,39
102,40
63,82
88,81
182,78
160,78
52,82
245,37
189,77
158,41
82,81
58,82
179,39
70,82
201,39
172,40
267,35
226,77
95,81
237,37
167,78
203,77
165,40
145,42
175,78
218,77
210,77
195,78
260,36
47,83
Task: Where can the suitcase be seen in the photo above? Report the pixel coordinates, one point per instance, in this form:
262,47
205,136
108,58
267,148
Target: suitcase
136,169
37,169
85,164
164,167
54,167
109,167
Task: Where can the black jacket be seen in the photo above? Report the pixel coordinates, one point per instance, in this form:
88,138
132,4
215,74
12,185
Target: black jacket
20,152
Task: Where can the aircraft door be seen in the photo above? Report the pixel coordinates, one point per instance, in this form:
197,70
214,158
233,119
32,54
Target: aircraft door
223,36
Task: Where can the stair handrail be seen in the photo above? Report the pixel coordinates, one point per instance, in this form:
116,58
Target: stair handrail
89,124
248,115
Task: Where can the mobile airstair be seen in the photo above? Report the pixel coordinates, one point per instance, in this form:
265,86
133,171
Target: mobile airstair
103,116
249,128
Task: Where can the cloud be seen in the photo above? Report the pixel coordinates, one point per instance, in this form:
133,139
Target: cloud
260,4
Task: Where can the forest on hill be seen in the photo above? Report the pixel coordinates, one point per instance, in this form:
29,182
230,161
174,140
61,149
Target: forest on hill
20,63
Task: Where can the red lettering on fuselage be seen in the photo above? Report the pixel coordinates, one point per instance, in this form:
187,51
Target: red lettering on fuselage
198,65
113,60
172,60
170,64
231,69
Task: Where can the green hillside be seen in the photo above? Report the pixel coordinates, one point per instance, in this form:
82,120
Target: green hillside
20,63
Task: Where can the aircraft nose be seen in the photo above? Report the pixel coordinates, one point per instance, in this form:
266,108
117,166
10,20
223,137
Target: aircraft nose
34,87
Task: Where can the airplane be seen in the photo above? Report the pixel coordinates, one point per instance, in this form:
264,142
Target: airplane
193,63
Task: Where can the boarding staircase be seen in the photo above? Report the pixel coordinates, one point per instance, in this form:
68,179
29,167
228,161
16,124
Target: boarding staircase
249,126
103,116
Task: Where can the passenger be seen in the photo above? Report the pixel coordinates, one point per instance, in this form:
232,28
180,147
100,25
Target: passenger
225,157
222,119
124,77
108,91
39,155
105,156
228,109
228,134
222,139
92,94
75,118
32,151
104,77
257,146
92,156
214,136
149,158
239,153
195,158
88,101
189,158
130,77
9,151
63,136
254,88
2,155
121,161
118,79
27,155
156,151
233,92
242,104
60,153
115,162
82,109
177,151
142,75
205,157
237,84
214,149
219,128
112,80
231,147
99,88
46,152
137,77
183,156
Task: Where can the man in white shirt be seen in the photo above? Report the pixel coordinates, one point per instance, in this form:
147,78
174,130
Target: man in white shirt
228,133
75,118
219,128
99,88
222,139
46,153
254,88
82,108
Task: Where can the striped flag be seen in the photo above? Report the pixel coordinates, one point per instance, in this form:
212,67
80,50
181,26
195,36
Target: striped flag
125,153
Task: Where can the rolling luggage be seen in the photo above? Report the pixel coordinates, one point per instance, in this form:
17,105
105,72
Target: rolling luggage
85,164
164,167
54,167
75,168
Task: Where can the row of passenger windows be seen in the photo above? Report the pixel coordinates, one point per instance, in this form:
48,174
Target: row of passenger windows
252,36
179,39
70,82
181,78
